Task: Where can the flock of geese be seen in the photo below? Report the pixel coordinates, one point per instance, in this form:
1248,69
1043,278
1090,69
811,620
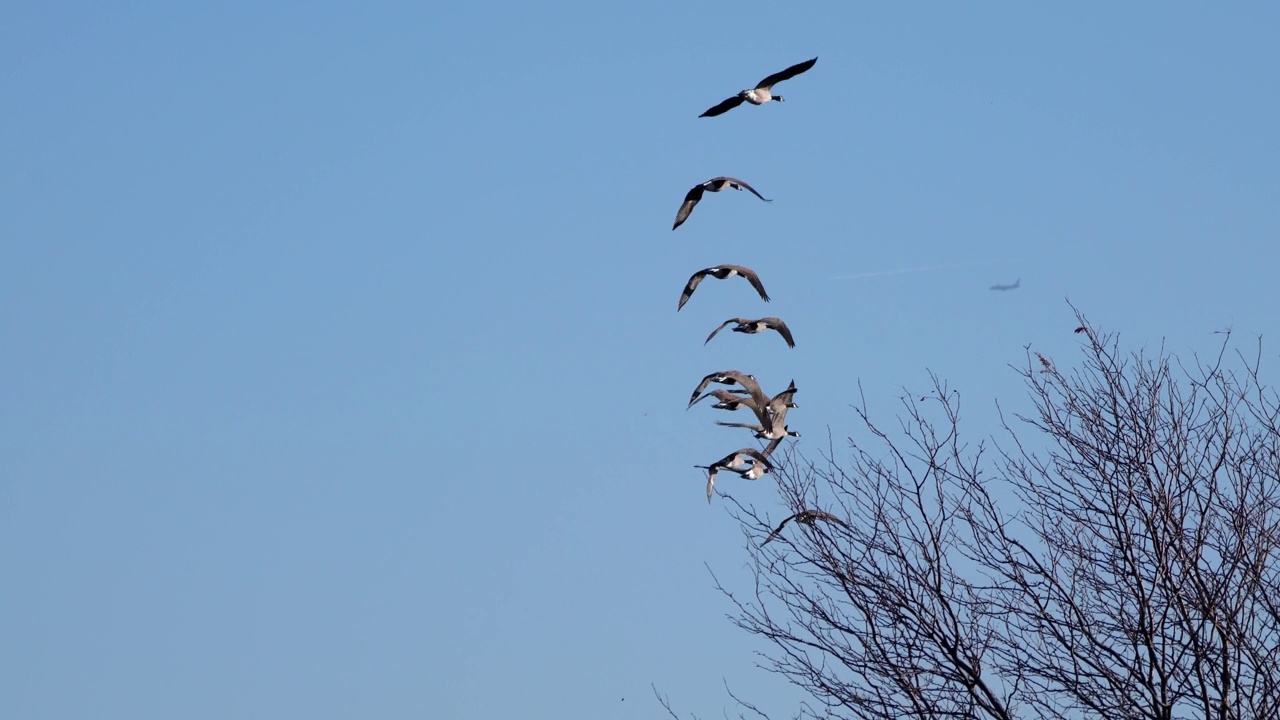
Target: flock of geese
770,411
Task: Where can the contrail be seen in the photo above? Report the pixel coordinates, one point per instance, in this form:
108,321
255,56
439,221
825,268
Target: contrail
922,268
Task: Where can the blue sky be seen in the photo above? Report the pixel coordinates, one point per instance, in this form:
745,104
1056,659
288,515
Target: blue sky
343,376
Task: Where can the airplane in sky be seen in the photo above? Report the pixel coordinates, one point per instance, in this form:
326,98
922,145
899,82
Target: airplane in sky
1007,287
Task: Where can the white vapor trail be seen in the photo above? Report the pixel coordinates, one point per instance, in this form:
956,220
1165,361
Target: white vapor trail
922,268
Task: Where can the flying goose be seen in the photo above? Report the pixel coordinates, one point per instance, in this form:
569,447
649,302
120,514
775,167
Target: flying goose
716,184
751,327
731,377
722,272
738,399
806,517
761,93
780,404
771,412
729,399
759,466
774,431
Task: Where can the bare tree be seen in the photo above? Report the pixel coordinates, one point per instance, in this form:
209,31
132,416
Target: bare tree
1118,556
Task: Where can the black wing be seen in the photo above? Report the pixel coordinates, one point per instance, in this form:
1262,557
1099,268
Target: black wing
787,74
691,198
692,285
724,107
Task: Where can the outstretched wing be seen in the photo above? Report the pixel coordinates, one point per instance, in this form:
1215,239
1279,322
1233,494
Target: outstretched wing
748,426
735,182
787,74
724,107
758,399
691,198
777,530
785,396
805,516
722,326
779,406
711,481
783,330
730,377
691,285
701,386
754,279
820,515
762,457
726,396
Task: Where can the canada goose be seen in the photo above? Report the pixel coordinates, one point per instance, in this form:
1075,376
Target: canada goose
717,184
771,412
722,272
729,399
754,472
786,395
760,94
759,466
806,517
751,327
731,377
780,404
776,431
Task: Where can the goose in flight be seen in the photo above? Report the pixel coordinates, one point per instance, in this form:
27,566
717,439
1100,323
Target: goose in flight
771,414
738,399
722,272
732,377
761,93
806,517
729,399
733,462
717,184
775,431
781,403
751,327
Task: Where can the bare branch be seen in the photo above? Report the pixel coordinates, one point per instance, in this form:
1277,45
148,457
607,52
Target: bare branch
1117,556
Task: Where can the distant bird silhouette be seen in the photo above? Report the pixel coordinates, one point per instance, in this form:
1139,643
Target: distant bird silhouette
722,272
1080,329
806,517
751,327
762,92
717,184
1014,286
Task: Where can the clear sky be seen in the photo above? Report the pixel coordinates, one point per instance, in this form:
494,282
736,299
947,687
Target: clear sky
342,371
